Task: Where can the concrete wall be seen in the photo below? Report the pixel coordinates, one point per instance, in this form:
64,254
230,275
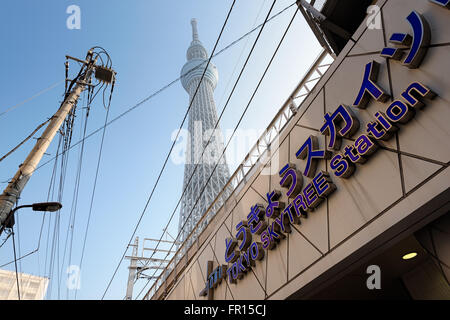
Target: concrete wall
387,197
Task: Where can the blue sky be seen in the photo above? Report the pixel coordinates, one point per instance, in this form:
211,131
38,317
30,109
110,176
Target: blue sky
147,41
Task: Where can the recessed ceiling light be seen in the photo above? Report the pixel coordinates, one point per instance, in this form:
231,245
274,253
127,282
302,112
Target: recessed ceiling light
409,255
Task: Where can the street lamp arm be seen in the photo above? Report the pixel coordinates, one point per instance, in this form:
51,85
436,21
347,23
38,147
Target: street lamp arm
9,221
41,206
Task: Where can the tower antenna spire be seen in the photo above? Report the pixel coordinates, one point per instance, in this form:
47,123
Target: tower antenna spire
194,29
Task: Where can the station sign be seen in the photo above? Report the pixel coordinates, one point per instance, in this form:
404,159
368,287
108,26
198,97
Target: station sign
266,226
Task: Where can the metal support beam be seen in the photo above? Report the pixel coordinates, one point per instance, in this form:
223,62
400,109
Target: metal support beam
318,22
132,268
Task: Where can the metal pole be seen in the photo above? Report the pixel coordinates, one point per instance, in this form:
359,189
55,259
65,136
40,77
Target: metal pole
314,12
132,268
12,192
9,221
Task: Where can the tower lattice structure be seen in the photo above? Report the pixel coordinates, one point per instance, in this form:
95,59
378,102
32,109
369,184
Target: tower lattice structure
202,120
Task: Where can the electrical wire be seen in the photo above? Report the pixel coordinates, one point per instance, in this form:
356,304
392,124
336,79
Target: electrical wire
4,241
212,133
51,189
240,55
73,211
137,105
219,52
165,86
25,140
171,148
205,147
17,222
32,97
15,263
234,131
43,220
50,195
93,90
52,179
95,181
65,142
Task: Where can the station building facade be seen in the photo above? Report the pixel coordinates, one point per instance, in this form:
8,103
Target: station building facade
357,183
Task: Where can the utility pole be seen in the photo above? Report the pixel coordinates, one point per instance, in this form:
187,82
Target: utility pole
132,268
12,192
147,263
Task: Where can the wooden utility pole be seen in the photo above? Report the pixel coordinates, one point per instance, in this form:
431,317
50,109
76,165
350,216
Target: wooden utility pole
12,192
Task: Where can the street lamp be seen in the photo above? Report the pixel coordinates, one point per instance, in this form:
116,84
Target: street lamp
40,206
9,223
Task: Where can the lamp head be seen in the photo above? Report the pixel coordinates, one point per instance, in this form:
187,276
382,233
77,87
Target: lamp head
47,206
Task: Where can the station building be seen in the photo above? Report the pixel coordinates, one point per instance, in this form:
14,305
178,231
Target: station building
351,199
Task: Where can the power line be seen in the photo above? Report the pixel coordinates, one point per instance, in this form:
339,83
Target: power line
240,55
25,140
212,133
18,259
218,121
39,241
129,110
254,29
95,182
171,148
73,210
219,52
65,139
165,86
69,125
4,241
234,131
18,240
15,263
32,97
50,191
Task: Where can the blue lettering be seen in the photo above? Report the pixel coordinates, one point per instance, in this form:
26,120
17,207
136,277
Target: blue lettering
265,239
369,87
323,184
300,206
415,92
292,218
399,112
341,167
444,3
365,146
256,251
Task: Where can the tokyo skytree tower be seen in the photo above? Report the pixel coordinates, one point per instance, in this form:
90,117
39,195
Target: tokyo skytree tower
202,119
